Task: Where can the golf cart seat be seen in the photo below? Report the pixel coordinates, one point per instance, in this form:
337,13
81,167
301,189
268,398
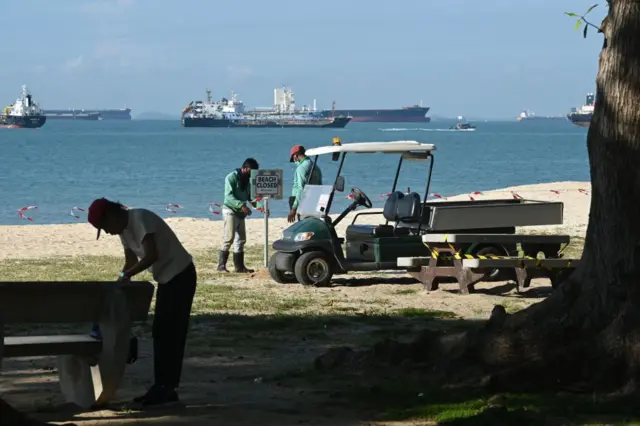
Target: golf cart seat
399,207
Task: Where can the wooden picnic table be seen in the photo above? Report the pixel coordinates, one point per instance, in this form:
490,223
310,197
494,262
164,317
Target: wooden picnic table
448,253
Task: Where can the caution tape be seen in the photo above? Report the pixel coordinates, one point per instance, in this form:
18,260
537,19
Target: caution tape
482,257
436,254
22,212
74,211
171,207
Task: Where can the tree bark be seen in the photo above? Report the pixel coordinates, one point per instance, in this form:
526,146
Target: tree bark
593,320
588,331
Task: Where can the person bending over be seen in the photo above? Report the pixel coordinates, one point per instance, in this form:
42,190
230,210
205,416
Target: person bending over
149,243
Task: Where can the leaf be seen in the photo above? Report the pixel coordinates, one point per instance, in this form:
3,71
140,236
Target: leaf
584,32
578,24
573,15
590,9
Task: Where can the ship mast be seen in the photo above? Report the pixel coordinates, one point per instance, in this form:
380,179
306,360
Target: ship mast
209,96
333,109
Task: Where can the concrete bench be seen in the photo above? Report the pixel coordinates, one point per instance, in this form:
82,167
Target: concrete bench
89,370
526,269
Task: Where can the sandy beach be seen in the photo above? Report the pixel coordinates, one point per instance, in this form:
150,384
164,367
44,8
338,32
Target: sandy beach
245,350
40,241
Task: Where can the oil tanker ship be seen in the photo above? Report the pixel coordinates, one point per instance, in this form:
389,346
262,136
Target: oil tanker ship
91,114
72,115
232,113
527,115
410,114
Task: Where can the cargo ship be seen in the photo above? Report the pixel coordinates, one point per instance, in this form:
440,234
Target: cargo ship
582,117
265,121
72,115
103,114
23,113
409,114
232,113
527,115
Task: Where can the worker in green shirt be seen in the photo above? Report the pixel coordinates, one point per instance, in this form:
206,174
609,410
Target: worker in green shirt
234,212
301,178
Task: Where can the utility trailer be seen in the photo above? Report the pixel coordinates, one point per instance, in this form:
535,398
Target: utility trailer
310,251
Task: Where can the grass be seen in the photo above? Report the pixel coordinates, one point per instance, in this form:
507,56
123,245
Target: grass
412,400
242,314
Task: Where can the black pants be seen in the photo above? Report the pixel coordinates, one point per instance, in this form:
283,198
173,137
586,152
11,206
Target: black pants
291,201
170,326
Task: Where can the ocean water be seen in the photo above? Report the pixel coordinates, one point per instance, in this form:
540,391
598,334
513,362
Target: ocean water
155,163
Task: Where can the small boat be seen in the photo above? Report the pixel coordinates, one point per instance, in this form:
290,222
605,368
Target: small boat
462,125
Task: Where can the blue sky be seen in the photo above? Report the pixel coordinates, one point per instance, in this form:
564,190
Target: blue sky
460,57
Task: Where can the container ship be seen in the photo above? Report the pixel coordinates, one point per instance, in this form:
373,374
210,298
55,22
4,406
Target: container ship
582,117
410,114
232,113
90,114
23,113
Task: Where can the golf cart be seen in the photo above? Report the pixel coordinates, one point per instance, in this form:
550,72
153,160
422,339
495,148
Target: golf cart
310,251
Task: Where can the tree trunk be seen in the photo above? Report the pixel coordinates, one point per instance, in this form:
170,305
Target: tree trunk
587,332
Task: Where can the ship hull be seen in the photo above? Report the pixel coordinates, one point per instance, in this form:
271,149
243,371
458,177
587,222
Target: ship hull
82,117
581,120
407,115
540,118
23,122
337,123
104,114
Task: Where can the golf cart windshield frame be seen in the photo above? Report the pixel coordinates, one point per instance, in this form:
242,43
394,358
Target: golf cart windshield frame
406,155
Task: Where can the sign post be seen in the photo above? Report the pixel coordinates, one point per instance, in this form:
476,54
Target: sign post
266,185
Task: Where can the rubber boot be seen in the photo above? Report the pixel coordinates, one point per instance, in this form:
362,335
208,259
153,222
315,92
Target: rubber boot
222,261
238,261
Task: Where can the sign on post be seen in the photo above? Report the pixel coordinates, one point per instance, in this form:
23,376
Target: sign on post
267,185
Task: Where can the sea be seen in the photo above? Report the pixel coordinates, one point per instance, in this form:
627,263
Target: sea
61,167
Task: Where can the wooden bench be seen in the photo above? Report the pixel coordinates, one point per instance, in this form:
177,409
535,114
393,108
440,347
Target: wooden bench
447,256
526,269
89,370
469,272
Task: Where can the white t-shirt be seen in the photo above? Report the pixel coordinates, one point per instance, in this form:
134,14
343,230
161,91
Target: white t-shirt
172,257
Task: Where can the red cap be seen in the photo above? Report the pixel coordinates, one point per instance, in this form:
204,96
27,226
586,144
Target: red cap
96,213
297,149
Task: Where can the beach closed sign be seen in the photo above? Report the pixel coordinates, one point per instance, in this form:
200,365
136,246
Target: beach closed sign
267,183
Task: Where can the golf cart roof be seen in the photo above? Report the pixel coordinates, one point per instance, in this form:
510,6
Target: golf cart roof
395,147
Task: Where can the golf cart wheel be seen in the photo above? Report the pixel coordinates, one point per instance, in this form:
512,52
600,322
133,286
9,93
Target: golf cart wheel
314,269
278,276
491,274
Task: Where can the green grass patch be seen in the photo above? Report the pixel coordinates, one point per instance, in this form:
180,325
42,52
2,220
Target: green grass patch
406,291
410,399
419,312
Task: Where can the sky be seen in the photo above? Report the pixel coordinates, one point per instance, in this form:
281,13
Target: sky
488,59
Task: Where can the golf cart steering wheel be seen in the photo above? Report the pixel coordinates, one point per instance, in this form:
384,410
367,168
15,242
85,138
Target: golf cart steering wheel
361,198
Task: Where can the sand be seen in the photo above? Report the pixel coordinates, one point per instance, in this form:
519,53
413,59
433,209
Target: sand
40,241
224,384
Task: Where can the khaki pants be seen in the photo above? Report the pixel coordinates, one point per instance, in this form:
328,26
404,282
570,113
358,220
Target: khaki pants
235,231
